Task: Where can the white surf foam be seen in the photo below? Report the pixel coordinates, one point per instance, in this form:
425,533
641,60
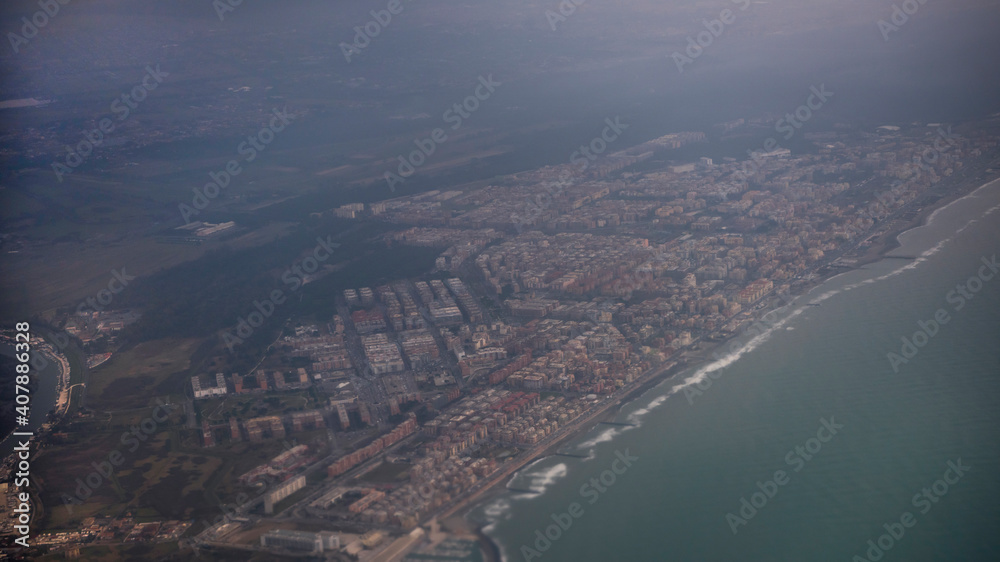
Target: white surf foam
499,509
923,257
637,415
540,480
973,195
603,437
728,360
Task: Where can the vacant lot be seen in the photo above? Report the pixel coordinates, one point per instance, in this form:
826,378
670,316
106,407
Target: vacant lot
152,479
133,378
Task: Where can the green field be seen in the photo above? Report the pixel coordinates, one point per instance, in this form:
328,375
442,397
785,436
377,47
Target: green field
219,410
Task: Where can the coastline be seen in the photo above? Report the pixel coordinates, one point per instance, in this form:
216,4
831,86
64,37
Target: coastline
59,385
889,241
698,354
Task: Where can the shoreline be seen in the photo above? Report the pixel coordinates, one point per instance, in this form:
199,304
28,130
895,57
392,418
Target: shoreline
699,353
61,384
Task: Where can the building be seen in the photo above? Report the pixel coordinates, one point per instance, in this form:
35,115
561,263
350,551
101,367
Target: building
371,539
312,419
367,296
371,497
282,492
349,211
209,229
419,346
206,434
351,296
330,498
368,321
259,428
345,420
754,291
201,391
351,460
383,355
323,541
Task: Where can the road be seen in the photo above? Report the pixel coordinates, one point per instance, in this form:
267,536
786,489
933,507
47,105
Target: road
969,177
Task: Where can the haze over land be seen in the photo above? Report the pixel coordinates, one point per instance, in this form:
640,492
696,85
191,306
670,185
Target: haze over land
528,208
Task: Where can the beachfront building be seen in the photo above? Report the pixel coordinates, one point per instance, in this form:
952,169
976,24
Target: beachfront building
301,541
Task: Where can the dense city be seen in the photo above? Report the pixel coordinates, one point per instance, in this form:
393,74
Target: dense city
556,293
